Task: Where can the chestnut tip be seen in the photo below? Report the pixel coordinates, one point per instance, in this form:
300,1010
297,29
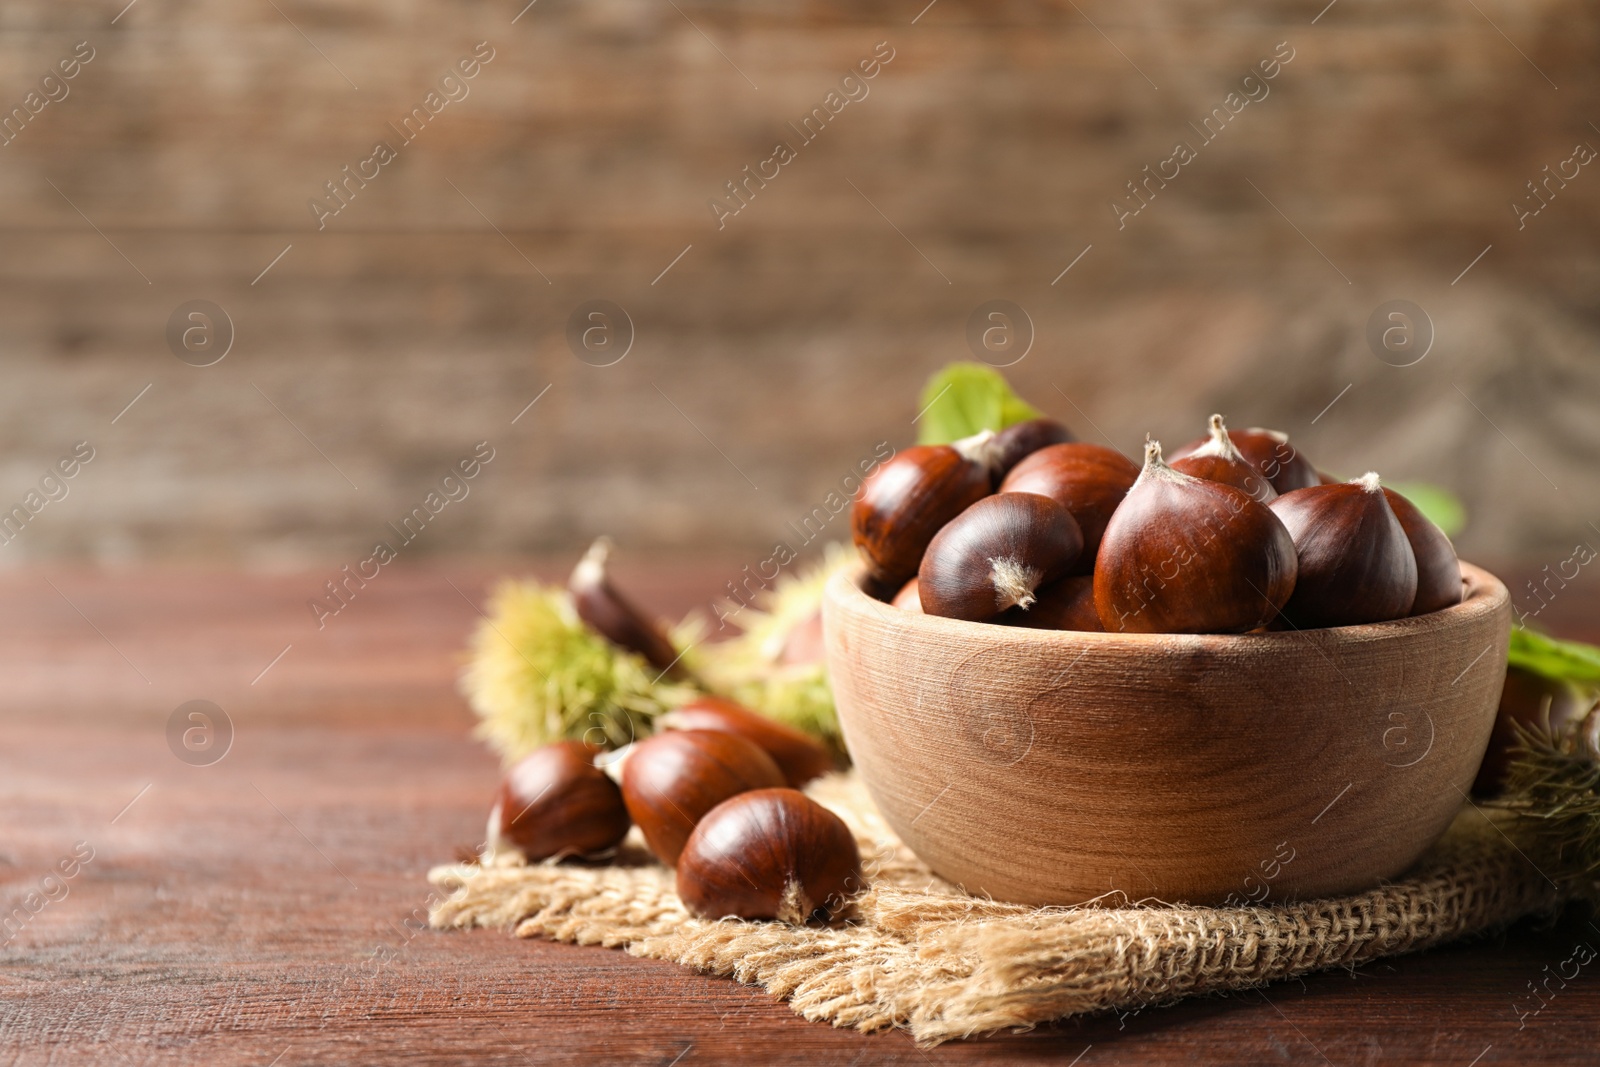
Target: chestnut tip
995,554
1218,459
980,448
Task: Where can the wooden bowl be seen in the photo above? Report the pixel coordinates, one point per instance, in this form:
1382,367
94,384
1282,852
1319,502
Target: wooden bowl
1054,767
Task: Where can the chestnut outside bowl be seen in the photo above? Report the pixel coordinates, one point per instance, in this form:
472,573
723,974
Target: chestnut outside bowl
1056,767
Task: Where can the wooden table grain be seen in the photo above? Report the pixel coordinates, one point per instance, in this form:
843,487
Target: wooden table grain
229,913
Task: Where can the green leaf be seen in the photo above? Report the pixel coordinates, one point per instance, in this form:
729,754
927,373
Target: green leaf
964,398
1549,657
1442,507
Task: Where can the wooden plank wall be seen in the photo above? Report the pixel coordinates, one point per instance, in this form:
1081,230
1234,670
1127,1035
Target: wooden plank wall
780,348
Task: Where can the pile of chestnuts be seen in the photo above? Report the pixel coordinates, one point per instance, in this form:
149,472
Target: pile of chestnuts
1238,532
715,794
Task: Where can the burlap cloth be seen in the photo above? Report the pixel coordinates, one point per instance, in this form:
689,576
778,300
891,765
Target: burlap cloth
919,954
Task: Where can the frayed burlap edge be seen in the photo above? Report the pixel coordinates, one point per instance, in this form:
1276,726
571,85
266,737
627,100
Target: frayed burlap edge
918,954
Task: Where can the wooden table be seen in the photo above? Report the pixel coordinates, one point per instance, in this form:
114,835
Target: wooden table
226,910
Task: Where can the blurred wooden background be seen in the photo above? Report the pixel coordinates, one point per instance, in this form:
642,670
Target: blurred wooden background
777,351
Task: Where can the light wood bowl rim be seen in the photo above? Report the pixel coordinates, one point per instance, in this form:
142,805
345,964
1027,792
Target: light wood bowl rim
1484,594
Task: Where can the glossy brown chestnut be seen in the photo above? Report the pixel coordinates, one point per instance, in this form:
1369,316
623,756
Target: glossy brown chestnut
1022,439
1219,460
670,780
1534,703
613,616
909,598
1088,480
1356,564
907,500
555,802
799,756
1272,454
1438,570
994,555
1186,555
1067,604
770,854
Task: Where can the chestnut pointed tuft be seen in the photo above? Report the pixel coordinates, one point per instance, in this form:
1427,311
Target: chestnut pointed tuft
1272,454
994,555
1219,460
1067,604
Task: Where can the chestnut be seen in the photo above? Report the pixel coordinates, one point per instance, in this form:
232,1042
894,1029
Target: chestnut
1356,564
995,554
1022,439
555,802
804,644
770,854
1064,605
670,780
1438,570
907,500
799,756
613,616
1272,454
909,598
1220,460
1088,480
1187,555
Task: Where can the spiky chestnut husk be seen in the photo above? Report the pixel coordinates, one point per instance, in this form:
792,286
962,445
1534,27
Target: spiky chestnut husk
756,668
1439,582
539,674
770,854
1356,564
613,616
1529,704
905,502
1186,555
1088,480
1219,460
1022,439
995,554
1553,781
1272,454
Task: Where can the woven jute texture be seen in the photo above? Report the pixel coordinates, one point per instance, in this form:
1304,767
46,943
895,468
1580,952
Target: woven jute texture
917,953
